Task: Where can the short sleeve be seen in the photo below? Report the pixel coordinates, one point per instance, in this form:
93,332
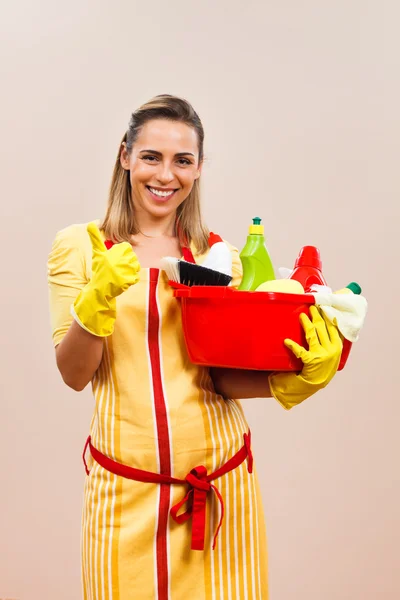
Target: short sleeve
66,276
237,269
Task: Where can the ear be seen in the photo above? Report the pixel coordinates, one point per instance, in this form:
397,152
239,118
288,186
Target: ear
199,169
124,157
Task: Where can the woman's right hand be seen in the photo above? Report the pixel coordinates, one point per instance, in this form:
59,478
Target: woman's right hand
113,272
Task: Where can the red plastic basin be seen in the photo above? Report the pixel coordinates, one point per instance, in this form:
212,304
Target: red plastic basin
224,327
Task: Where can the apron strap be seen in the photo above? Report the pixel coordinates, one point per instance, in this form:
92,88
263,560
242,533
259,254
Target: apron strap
187,254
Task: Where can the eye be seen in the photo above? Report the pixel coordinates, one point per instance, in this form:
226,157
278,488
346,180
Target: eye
152,158
149,157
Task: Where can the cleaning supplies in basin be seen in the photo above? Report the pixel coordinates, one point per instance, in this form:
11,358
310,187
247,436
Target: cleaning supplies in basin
286,286
308,268
352,288
257,265
215,270
346,311
220,257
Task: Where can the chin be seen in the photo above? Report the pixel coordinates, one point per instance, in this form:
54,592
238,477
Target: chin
161,211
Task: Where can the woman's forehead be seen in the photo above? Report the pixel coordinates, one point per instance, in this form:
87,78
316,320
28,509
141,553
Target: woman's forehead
164,135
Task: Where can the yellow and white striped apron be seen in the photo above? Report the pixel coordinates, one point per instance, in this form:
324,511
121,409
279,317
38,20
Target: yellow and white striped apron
156,411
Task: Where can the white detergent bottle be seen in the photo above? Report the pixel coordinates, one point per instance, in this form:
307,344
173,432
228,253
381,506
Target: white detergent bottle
220,257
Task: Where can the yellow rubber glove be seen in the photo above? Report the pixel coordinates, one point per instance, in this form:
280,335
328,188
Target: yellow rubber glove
113,272
320,362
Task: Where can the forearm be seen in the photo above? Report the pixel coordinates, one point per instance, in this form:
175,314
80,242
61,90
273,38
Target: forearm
78,356
239,384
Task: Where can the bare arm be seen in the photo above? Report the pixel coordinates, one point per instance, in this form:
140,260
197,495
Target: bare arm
78,356
239,384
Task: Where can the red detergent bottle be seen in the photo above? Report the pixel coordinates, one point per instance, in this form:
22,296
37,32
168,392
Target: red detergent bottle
308,271
308,268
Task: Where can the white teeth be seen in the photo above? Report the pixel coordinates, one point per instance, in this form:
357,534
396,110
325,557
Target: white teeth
162,194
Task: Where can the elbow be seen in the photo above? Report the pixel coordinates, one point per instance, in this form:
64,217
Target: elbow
74,383
76,386
73,379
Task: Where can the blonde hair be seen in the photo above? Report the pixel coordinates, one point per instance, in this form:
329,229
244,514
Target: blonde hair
120,221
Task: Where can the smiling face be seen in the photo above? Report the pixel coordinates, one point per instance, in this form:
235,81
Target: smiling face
163,165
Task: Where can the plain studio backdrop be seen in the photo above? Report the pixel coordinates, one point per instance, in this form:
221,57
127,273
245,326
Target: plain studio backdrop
300,103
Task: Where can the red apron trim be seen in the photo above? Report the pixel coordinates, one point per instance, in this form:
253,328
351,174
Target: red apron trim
199,486
187,254
186,251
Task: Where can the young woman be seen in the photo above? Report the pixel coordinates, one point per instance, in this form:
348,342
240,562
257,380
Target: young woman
172,507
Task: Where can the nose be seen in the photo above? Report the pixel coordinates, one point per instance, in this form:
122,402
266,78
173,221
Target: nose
165,173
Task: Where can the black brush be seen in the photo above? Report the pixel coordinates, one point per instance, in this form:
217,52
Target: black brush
192,274
187,273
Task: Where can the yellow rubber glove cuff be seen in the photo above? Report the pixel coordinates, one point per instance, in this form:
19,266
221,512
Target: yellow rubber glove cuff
320,361
113,272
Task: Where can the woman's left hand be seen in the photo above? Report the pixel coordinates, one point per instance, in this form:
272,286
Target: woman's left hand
320,361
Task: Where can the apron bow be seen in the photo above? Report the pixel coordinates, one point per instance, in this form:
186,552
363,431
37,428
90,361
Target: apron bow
197,493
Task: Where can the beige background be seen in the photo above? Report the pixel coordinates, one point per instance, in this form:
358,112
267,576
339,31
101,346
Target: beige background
300,102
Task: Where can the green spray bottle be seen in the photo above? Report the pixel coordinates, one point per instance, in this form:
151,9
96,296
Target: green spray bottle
257,265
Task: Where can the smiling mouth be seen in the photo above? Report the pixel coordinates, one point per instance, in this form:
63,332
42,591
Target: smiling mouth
161,194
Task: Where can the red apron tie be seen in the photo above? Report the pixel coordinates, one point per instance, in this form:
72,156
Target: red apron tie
199,489
247,443
199,486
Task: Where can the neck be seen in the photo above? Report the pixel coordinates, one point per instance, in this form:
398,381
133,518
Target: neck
153,227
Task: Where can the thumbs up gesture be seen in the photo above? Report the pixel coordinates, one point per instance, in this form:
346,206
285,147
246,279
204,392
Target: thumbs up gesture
113,272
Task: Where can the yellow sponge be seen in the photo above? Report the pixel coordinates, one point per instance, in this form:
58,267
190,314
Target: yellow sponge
287,286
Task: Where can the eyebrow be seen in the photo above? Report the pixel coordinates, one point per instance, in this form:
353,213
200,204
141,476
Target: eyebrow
177,154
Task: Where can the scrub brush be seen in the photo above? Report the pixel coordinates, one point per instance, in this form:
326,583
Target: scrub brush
216,269
186,273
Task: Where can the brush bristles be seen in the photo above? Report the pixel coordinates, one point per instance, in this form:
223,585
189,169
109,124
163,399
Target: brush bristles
171,267
193,274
